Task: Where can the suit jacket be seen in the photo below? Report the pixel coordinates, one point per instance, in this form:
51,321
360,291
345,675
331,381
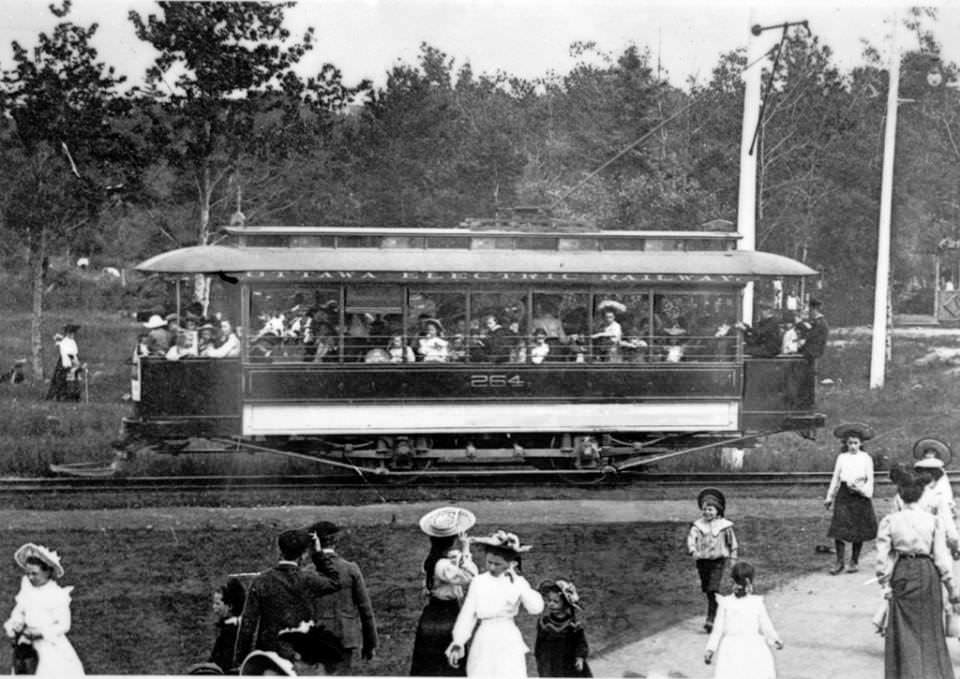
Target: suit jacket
279,598
348,613
815,337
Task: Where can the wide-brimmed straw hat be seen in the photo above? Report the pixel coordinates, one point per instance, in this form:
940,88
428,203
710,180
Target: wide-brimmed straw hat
714,497
862,431
566,588
155,321
47,556
258,661
445,522
612,305
503,540
928,463
435,323
930,447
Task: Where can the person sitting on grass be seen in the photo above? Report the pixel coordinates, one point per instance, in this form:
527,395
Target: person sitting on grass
227,606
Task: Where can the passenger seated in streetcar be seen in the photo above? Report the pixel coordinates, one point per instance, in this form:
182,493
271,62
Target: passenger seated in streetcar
790,342
611,333
633,346
398,352
459,340
264,348
518,347
676,345
324,345
206,340
495,343
182,348
764,340
432,347
546,320
229,344
540,349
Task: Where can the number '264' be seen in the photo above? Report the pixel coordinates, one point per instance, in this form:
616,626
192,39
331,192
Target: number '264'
496,381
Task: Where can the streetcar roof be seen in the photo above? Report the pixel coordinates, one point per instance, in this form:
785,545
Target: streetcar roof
472,233
214,259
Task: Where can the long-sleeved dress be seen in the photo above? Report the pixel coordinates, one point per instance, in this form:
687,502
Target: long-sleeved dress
435,628
740,639
492,602
46,609
913,561
559,643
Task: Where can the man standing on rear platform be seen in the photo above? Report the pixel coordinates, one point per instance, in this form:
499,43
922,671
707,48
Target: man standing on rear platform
813,332
347,613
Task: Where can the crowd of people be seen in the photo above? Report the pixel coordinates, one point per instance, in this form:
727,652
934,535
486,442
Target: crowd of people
494,335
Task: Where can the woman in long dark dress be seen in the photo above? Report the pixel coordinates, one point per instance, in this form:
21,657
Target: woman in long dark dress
913,562
448,569
850,496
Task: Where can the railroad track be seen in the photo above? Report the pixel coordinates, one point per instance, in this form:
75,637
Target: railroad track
434,480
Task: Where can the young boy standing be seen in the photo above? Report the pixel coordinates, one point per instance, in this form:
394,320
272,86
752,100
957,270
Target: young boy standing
711,543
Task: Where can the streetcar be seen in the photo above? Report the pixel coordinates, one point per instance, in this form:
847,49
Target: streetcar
526,343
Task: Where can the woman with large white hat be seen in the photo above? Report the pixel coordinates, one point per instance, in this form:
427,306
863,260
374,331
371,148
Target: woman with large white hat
448,569
41,615
486,620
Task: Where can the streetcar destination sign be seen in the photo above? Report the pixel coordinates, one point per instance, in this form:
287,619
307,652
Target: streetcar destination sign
493,276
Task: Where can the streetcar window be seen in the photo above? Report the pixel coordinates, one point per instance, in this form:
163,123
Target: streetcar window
566,244
621,330
448,242
564,321
402,242
498,326
536,243
695,327
358,242
294,324
436,326
373,315
296,241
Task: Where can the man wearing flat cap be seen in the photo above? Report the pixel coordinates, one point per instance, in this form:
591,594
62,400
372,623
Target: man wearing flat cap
283,597
348,613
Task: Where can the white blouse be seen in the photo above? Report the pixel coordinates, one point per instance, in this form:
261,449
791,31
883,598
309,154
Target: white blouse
492,597
912,531
854,469
45,608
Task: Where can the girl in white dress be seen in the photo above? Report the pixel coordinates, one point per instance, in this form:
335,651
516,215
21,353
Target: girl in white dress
493,600
742,632
41,615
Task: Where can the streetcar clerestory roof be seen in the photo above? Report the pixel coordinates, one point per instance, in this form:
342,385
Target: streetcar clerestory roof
213,259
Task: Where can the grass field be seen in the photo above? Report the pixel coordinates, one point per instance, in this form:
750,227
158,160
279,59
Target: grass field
33,433
142,597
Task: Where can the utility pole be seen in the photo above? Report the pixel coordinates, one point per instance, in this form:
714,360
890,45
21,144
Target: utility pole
878,355
747,196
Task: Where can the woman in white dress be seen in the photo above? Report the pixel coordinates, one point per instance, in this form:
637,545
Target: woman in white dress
742,632
41,615
497,648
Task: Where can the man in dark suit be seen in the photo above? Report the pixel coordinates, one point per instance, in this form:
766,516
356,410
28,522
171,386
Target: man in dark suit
813,332
283,597
347,613
762,341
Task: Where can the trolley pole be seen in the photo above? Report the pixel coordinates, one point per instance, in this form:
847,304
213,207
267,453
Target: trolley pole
878,355
747,197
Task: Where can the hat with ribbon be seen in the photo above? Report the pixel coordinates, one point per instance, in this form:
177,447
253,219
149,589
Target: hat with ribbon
862,431
445,522
712,497
566,589
928,463
503,540
260,662
47,556
930,447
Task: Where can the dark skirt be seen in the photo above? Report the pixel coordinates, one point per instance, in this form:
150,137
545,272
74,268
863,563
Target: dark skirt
916,645
557,652
434,635
711,574
853,517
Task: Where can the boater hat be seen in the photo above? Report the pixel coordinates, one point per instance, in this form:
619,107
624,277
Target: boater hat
712,496
862,431
47,556
933,448
445,522
156,321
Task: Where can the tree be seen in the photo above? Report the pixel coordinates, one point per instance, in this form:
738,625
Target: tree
63,151
223,89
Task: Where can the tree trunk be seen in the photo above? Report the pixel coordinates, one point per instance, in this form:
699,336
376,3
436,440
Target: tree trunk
36,319
201,293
